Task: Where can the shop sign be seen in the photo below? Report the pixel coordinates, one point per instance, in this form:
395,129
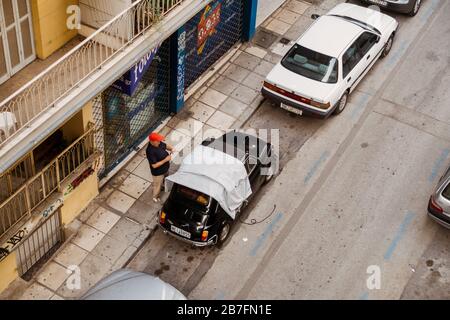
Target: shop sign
128,83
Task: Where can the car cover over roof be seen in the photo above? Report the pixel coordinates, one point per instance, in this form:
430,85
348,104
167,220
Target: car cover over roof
217,174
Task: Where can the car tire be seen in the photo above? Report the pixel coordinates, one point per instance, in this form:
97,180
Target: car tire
388,46
341,104
224,234
415,8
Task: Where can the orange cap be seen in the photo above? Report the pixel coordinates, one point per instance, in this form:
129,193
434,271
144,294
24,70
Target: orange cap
156,137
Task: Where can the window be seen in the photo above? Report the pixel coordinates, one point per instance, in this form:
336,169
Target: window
193,198
250,164
365,42
357,51
446,192
311,64
350,59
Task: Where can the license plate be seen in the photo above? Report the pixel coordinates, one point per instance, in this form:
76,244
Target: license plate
291,109
180,232
379,2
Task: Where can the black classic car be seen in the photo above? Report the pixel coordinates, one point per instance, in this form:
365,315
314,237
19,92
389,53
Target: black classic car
410,7
213,185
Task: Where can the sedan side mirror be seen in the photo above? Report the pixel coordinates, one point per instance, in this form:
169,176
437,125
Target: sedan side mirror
315,16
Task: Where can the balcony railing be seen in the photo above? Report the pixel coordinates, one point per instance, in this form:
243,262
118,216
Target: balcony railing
21,108
35,191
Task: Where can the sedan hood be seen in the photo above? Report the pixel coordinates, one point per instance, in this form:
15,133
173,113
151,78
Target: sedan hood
308,88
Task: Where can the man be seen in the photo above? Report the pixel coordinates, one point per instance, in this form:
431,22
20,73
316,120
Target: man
159,157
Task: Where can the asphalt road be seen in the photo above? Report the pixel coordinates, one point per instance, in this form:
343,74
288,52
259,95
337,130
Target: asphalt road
351,195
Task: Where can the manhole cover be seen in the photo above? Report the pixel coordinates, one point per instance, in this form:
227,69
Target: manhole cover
264,38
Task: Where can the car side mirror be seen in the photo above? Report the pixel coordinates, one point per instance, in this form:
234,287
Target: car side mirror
315,16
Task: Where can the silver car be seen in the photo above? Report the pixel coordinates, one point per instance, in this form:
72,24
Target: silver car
130,285
439,204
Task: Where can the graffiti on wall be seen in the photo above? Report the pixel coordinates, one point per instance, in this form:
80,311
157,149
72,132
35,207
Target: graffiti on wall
181,65
76,183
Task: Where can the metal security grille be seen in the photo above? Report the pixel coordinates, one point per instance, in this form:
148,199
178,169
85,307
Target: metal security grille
39,245
99,137
210,34
126,120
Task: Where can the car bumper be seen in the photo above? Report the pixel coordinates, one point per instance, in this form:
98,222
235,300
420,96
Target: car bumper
210,242
306,111
440,218
392,6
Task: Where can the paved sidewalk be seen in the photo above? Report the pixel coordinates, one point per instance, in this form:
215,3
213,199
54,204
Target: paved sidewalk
111,230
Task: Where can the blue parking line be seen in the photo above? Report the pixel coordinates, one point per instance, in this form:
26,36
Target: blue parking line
316,166
220,296
398,236
438,165
364,296
360,104
262,238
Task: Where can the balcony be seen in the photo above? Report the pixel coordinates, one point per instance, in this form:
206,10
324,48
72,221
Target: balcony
23,191
84,71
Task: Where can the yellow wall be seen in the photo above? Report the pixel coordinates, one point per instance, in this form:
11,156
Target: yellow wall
78,124
79,199
50,25
8,271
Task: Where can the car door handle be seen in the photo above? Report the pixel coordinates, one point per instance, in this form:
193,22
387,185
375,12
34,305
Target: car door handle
368,57
349,79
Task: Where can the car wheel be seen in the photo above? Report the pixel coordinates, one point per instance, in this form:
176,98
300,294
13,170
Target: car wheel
388,46
341,104
224,234
415,8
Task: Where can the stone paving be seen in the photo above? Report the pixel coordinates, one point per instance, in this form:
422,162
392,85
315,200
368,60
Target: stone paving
113,227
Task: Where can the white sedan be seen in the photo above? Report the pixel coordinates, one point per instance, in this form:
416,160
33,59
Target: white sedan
329,60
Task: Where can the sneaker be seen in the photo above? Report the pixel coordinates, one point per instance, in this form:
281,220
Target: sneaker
156,200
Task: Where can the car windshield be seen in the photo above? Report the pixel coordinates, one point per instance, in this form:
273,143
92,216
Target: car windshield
192,198
311,64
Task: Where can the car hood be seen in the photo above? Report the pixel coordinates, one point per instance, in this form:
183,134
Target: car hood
369,16
293,82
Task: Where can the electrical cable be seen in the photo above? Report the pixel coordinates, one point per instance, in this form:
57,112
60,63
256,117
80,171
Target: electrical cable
255,222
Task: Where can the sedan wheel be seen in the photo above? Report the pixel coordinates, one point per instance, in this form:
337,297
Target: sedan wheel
415,8
342,104
388,46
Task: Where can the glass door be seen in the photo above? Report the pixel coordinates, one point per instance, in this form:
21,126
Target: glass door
17,35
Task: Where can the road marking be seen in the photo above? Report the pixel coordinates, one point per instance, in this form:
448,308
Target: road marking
316,166
262,238
361,104
364,296
398,236
438,164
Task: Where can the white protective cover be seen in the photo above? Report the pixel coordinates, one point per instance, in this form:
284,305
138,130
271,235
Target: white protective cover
216,174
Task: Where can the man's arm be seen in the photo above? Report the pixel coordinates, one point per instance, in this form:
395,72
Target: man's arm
162,162
170,148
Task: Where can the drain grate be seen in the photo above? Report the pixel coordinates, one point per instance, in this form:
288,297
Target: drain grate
264,39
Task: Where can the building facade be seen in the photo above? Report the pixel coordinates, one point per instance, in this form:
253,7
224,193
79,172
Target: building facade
77,121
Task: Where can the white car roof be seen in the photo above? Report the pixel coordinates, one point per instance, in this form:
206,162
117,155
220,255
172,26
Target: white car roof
329,35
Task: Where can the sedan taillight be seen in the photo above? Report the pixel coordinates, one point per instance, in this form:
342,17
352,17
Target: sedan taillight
435,206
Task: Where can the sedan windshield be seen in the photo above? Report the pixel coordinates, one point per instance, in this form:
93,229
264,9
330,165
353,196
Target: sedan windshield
311,64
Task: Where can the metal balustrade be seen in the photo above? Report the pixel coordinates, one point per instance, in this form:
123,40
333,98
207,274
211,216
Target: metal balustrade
46,182
25,105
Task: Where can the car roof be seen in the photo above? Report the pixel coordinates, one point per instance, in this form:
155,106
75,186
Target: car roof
330,35
130,285
233,144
